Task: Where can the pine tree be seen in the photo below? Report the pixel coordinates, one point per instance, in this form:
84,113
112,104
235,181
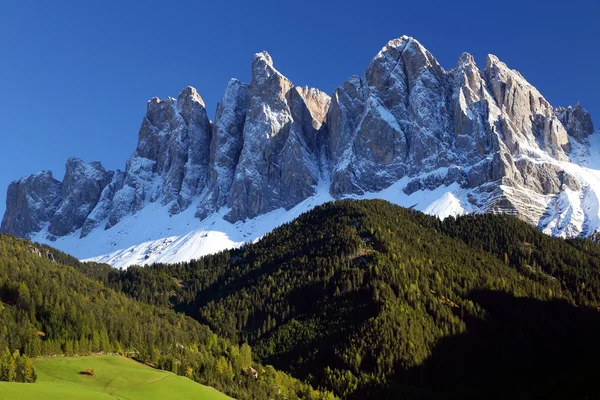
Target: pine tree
4,364
30,373
245,356
11,372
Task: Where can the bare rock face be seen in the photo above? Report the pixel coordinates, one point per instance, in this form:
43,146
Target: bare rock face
171,160
81,188
390,122
174,141
317,103
197,134
278,164
576,120
474,112
226,146
104,207
170,165
485,130
528,119
30,203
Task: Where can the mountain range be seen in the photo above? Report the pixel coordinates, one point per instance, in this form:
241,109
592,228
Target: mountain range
468,140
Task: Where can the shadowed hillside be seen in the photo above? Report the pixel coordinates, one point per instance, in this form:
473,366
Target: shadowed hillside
364,297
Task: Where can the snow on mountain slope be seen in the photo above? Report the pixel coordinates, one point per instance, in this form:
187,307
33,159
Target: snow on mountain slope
152,235
446,206
575,209
588,154
578,212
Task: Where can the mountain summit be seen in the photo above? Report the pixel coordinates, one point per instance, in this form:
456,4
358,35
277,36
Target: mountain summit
468,140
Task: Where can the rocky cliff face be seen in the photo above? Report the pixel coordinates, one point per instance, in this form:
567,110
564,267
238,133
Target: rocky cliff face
225,148
486,131
80,191
576,120
169,165
278,165
391,122
30,203
171,159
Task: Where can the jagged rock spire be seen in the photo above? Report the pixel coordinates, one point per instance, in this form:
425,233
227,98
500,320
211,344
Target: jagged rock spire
278,164
576,120
225,147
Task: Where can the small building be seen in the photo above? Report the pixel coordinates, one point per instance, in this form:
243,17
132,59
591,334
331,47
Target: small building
251,372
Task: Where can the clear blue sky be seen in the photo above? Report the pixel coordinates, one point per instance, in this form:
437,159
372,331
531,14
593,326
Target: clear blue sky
75,76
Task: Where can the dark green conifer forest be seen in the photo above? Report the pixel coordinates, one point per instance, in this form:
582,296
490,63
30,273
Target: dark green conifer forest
48,308
361,298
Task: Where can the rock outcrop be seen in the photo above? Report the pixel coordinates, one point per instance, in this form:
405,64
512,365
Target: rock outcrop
30,203
527,118
171,160
391,122
278,164
225,148
484,129
80,191
576,120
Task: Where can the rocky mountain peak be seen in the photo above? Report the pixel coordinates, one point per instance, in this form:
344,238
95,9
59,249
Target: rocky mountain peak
160,113
403,57
465,60
191,106
264,72
492,60
394,47
268,85
278,164
30,202
39,199
577,121
417,58
263,58
225,147
393,117
189,94
530,120
80,190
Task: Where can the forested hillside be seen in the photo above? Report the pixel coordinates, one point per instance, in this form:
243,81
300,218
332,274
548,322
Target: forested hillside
366,298
49,308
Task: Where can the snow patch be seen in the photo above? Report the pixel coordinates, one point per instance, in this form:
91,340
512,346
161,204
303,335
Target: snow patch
446,206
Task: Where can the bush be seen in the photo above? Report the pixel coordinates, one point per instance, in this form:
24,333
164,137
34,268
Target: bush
89,372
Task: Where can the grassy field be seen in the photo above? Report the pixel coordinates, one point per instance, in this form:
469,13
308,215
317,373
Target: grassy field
116,378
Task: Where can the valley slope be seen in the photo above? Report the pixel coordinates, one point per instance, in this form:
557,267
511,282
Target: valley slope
369,299
115,377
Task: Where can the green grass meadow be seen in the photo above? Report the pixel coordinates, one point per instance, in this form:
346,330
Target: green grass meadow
116,378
